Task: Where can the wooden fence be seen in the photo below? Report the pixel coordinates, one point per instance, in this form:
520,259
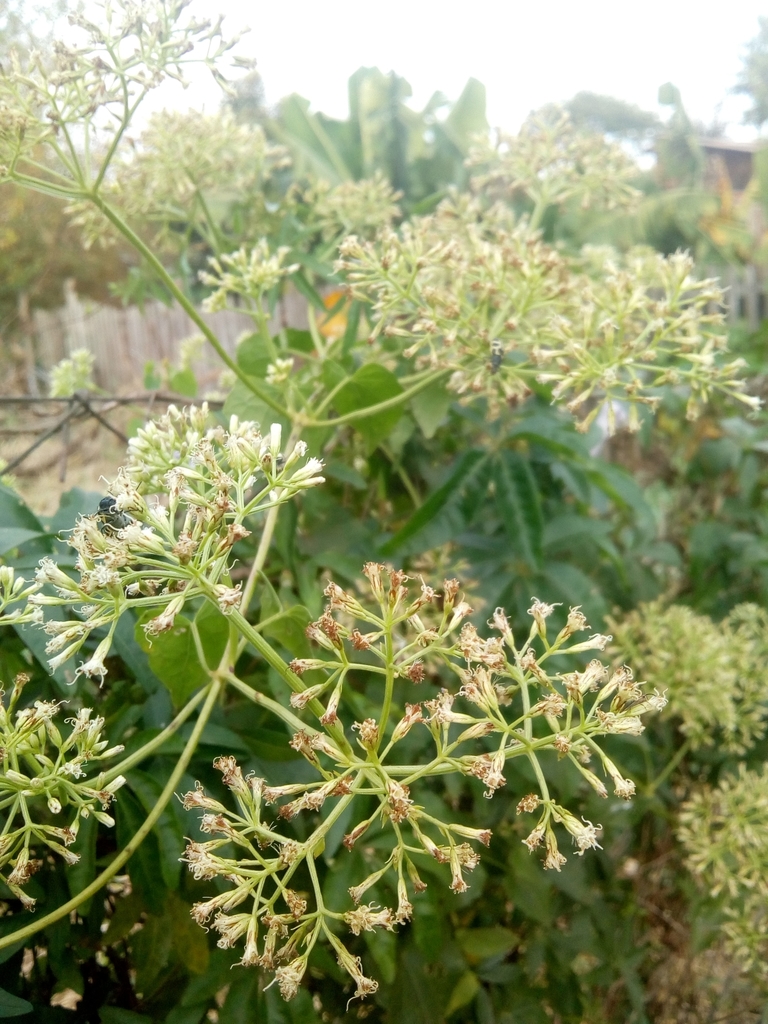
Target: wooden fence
745,293
125,339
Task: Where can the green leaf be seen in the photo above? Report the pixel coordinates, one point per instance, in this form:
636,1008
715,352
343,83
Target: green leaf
142,867
14,536
190,945
9,951
566,529
173,655
128,910
243,1000
152,949
73,503
300,340
353,326
34,638
204,987
303,286
464,992
242,402
347,475
167,831
430,408
551,434
287,628
253,356
152,380
217,736
187,1014
481,943
619,485
369,386
437,501
173,658
14,512
124,643
383,947
115,1015
572,586
332,373
13,1006
184,382
269,600
467,117
303,131
518,504
213,630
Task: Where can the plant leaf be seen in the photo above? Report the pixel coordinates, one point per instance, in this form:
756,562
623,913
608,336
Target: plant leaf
366,387
468,464
13,1006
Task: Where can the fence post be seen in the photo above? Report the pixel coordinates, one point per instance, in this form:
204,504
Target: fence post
751,301
27,333
75,335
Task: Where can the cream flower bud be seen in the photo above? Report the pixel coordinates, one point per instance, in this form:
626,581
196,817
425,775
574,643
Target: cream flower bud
288,977
541,612
369,733
308,475
368,917
584,833
275,440
373,571
95,665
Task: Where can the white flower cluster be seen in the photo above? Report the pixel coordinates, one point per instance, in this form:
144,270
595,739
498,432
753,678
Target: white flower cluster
410,639
41,765
248,273
159,555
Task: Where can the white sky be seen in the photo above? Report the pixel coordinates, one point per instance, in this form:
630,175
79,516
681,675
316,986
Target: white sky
527,53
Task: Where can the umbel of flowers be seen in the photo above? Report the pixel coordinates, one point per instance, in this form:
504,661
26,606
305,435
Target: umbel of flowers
43,768
489,700
166,552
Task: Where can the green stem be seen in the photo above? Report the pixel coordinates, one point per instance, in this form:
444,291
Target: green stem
538,212
315,882
128,112
389,685
273,659
185,304
47,188
651,788
372,410
314,332
136,840
267,702
154,744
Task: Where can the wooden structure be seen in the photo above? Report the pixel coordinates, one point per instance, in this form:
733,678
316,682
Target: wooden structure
125,339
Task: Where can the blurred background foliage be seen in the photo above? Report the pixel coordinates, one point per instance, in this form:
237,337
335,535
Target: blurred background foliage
674,514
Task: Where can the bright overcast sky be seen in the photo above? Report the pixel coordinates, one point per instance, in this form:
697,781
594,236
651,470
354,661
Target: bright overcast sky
526,53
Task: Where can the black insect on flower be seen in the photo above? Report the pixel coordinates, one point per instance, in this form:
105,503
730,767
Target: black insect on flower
497,355
110,518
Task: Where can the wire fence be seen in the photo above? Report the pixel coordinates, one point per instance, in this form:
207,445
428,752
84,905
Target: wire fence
38,433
